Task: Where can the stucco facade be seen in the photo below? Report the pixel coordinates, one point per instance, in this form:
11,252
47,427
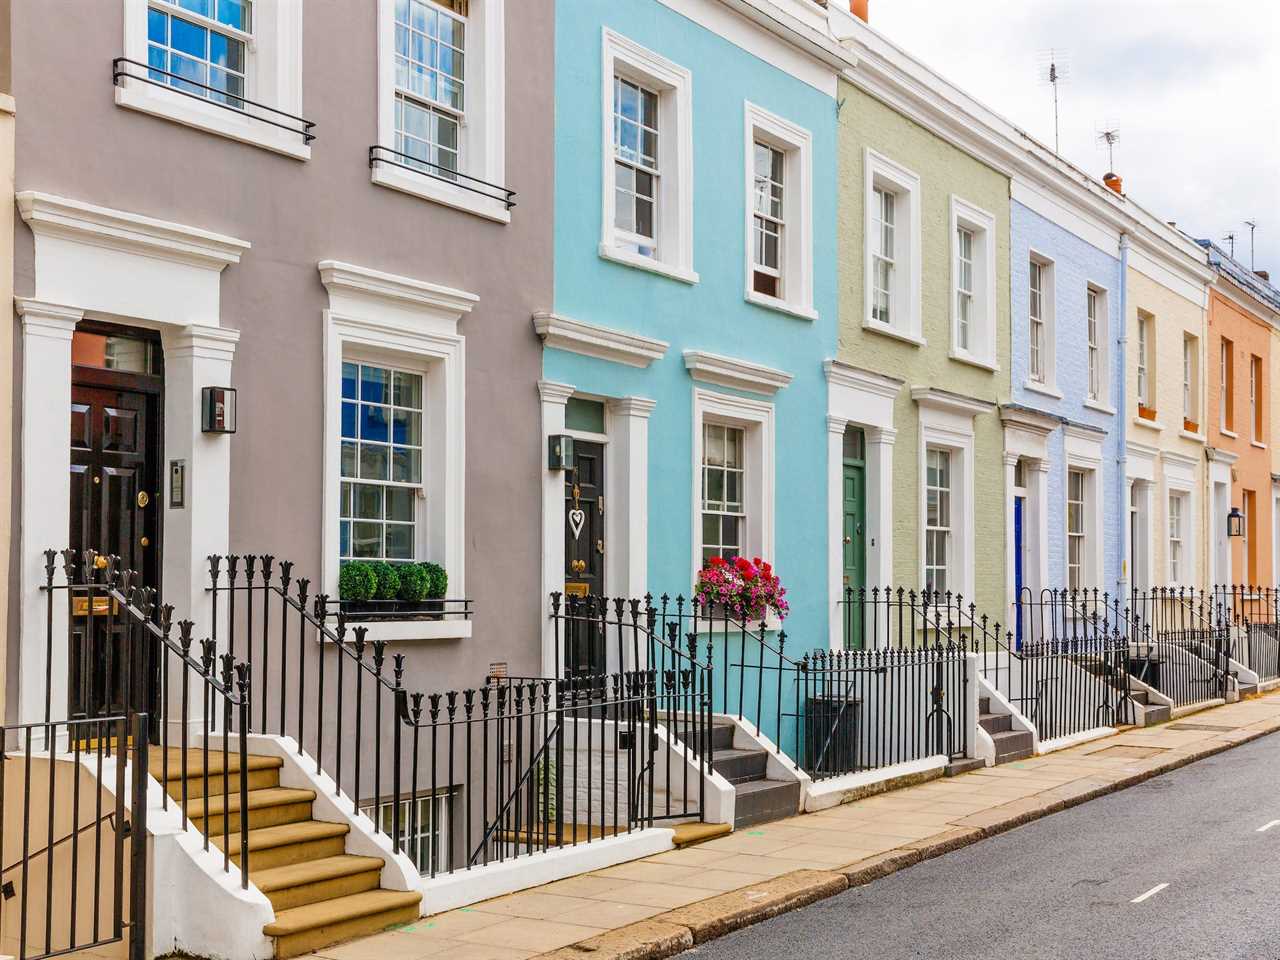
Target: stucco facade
1163,458
1078,394
935,385
247,230
688,345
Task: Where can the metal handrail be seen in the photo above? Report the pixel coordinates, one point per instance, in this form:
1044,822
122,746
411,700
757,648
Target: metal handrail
504,195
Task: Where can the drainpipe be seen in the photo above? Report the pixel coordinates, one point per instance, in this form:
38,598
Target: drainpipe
1122,420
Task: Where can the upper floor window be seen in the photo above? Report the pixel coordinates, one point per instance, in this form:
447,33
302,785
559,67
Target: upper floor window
647,201
1255,398
228,67
200,46
1146,396
1226,386
441,103
779,213
636,173
1190,383
972,283
1040,322
1094,343
892,248
430,50
768,212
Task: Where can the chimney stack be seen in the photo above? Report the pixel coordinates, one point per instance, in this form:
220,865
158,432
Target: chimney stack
1264,275
1113,181
859,9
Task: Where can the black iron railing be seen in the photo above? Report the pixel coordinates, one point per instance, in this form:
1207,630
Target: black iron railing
407,161
1185,647
1065,684
63,852
458,778
121,68
1255,613
126,659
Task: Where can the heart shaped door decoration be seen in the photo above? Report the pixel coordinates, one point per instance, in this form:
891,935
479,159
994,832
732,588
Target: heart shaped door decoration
577,519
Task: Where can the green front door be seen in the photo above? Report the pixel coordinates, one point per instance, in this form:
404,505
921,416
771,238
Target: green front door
853,538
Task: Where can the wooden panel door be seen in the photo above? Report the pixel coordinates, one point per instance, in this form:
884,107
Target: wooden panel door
584,554
115,510
852,534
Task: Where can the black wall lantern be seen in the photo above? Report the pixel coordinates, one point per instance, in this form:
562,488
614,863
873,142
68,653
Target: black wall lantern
1235,523
560,452
218,410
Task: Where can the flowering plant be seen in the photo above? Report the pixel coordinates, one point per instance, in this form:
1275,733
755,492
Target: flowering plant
746,589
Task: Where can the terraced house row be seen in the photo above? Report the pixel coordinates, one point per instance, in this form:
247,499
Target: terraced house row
459,443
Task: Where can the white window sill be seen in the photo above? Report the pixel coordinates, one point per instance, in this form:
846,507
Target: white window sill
961,356
1229,433
1043,389
885,330
1155,425
628,259
439,191
773,303
1100,407
1188,435
403,630
1255,443
190,112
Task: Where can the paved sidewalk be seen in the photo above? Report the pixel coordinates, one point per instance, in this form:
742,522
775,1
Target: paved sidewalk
657,906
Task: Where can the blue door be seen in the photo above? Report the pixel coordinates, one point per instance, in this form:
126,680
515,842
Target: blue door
1019,504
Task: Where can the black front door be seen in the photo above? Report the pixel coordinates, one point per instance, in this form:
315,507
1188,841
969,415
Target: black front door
584,555
116,430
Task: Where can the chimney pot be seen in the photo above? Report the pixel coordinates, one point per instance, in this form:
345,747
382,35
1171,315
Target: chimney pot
859,9
1113,181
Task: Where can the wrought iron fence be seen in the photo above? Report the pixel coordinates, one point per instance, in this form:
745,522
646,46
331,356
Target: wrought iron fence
126,659
1185,646
1255,612
67,883
461,778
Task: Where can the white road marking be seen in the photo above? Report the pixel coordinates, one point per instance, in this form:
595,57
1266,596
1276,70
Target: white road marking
1150,893
1267,826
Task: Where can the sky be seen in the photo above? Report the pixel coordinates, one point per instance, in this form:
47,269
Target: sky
1193,86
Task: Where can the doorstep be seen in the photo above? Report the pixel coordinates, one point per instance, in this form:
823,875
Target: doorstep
663,904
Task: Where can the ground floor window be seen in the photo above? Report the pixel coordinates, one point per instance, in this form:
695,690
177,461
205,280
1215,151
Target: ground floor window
1177,536
723,481
1076,557
381,462
424,828
937,524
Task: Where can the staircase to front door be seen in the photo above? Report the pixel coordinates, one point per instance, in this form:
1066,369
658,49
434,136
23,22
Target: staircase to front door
1010,744
321,894
757,799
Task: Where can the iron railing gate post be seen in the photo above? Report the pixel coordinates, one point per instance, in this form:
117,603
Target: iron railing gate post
138,905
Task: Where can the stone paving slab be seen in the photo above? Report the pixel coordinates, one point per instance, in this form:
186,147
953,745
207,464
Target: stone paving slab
659,906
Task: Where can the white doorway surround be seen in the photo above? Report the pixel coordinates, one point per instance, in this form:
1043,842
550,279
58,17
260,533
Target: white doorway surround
1026,438
860,398
1140,473
1221,465
93,262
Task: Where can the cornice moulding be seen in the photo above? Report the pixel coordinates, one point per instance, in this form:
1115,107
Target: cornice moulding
731,372
856,378
350,279
592,340
950,402
50,215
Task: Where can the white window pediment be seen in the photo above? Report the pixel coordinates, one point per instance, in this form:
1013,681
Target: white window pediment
406,324
732,372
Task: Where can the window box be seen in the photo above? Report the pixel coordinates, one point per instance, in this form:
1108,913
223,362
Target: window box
382,611
1190,426
1146,413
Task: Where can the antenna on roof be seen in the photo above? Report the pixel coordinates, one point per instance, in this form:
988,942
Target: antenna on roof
1054,69
1230,238
1108,136
1252,225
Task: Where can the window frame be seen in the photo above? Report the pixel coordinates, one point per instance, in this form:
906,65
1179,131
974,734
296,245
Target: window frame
796,249
1078,536
947,530
273,76
756,419
1100,296
482,132
1047,380
1190,379
623,57
1177,538
710,424
1257,388
883,173
441,805
982,348
1226,387
1145,369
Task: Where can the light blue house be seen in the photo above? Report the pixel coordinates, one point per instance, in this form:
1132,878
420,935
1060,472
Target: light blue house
695,300
1064,423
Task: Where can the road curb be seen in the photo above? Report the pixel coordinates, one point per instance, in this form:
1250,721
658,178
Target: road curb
677,930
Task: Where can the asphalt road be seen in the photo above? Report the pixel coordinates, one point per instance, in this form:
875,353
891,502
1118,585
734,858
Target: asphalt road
1065,886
